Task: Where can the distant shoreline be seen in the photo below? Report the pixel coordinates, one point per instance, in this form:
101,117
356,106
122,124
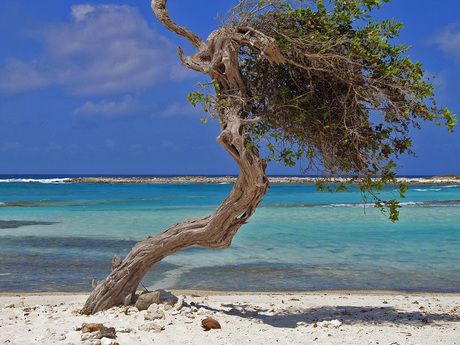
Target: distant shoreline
443,179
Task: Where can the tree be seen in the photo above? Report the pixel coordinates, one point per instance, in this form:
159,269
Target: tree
303,78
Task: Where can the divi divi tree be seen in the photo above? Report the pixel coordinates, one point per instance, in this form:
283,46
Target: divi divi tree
320,84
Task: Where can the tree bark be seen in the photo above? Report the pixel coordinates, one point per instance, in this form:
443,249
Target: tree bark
219,59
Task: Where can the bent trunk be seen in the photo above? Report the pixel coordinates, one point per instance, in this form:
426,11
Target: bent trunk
215,231
218,58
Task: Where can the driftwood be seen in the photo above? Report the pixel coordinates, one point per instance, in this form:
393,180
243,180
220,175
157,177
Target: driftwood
218,58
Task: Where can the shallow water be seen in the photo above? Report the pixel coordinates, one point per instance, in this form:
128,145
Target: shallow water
59,236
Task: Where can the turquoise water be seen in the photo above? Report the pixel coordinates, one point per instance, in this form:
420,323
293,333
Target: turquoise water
59,236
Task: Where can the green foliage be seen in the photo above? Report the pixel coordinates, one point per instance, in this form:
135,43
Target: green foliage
342,104
208,97
345,100
198,97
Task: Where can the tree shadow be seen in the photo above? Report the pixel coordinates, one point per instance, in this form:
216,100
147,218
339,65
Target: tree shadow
348,315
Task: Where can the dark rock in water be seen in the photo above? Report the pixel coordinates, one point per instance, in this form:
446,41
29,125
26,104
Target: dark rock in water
146,299
210,323
14,224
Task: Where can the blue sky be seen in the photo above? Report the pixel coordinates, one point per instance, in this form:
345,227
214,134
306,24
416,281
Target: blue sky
97,88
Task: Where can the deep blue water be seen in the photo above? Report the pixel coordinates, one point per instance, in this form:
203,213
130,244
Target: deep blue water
59,236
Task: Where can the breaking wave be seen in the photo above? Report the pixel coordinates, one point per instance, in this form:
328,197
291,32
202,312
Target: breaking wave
410,203
30,180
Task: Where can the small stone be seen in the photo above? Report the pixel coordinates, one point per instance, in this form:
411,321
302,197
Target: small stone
92,342
185,311
20,304
180,303
150,326
107,341
210,323
90,327
158,315
92,335
61,337
336,323
9,306
153,308
167,297
327,324
145,300
123,330
108,332
167,307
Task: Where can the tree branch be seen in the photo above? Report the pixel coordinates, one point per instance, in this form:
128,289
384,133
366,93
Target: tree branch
159,8
266,44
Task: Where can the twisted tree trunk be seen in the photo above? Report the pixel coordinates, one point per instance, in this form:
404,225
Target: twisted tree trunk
219,59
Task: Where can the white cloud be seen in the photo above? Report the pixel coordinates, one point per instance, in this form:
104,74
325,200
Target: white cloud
449,40
104,50
79,12
20,76
128,106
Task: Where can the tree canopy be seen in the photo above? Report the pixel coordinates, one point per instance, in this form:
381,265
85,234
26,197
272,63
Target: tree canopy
344,100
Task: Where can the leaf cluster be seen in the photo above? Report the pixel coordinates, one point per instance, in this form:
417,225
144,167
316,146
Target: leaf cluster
344,102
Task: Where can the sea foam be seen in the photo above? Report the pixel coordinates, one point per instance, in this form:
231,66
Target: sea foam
30,180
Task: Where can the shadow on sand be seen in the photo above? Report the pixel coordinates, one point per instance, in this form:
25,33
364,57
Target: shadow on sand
348,315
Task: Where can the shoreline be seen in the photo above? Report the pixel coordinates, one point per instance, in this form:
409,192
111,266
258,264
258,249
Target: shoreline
177,292
434,180
7,296
332,317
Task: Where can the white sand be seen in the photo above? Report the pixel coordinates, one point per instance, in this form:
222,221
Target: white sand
272,318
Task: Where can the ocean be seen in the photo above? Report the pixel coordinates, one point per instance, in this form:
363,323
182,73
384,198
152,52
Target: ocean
57,236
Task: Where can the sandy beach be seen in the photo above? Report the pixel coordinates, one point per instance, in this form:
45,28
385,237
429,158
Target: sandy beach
336,317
